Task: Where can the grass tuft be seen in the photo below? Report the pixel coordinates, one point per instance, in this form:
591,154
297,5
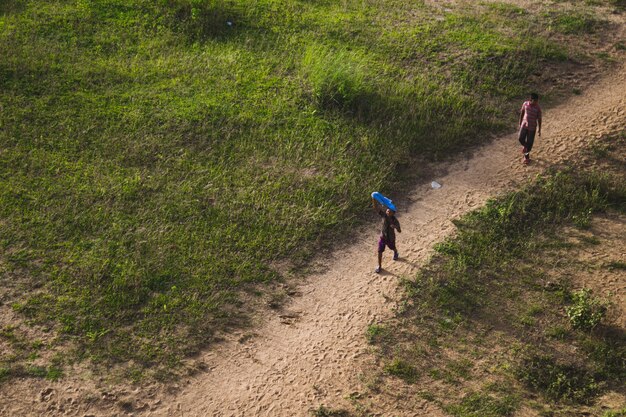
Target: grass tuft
322,411
402,370
338,78
478,404
574,22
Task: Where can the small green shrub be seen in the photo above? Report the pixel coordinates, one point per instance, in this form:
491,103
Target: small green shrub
586,312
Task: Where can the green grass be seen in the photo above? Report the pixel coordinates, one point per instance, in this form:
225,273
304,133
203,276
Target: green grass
401,369
377,333
483,405
322,411
574,22
158,157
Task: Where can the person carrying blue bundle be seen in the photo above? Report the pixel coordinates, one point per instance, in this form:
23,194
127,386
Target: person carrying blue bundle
388,233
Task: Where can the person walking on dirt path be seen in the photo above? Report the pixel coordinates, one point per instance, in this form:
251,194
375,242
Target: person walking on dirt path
529,123
388,234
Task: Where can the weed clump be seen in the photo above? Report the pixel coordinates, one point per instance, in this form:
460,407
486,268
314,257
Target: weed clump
586,311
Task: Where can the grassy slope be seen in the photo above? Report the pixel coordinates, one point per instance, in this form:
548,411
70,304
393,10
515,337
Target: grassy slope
154,160
492,324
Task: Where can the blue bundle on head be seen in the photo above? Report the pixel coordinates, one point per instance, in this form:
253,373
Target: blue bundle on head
383,200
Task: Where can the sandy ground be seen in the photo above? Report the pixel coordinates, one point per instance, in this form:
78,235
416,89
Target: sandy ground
311,353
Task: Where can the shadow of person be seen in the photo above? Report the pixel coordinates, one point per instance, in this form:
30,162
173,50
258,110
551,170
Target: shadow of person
406,261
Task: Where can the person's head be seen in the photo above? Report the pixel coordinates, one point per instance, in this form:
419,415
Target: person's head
534,97
390,212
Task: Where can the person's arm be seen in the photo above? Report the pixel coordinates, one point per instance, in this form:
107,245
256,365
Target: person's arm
521,116
539,123
397,226
376,207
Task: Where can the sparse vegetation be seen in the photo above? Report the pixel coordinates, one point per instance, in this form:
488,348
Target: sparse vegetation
497,279
558,382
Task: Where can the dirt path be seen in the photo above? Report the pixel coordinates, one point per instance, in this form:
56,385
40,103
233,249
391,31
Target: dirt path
311,353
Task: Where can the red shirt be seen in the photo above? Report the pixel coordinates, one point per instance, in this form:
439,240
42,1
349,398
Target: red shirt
532,112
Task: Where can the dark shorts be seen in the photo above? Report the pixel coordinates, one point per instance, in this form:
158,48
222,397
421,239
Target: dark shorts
527,138
382,243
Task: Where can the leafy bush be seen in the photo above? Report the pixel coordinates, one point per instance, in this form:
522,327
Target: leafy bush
586,312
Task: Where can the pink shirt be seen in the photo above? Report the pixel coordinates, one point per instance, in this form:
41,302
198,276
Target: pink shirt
532,112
